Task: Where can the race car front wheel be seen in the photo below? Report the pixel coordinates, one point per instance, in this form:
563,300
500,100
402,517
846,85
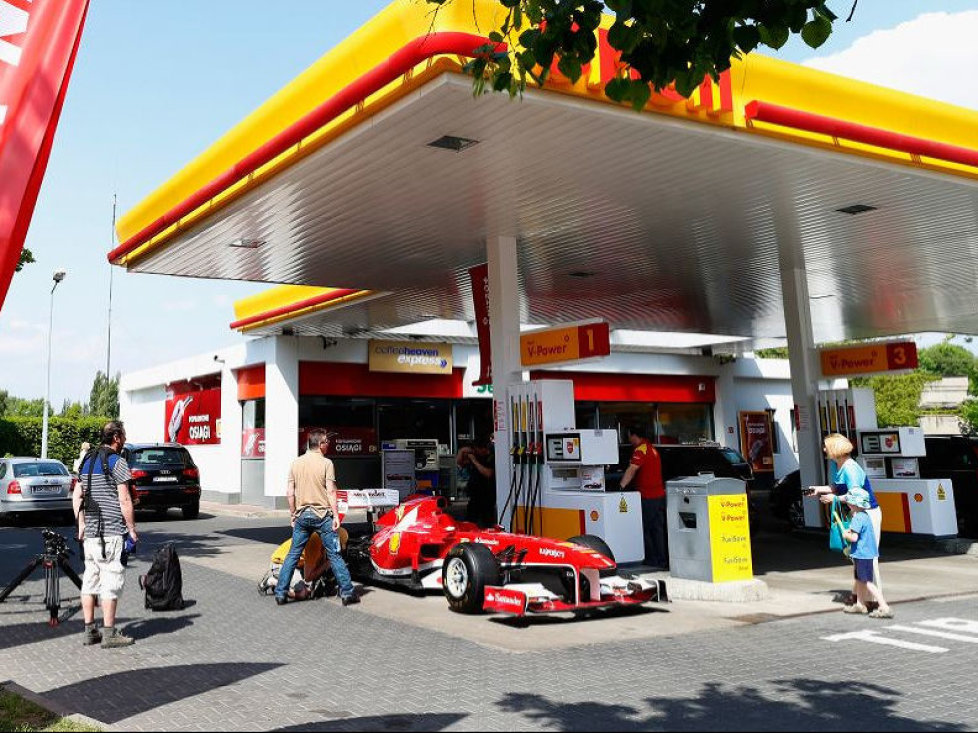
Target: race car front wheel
467,570
593,542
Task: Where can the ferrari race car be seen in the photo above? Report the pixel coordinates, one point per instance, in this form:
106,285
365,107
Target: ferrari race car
420,547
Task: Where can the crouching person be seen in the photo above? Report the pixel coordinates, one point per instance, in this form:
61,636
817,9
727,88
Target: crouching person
311,578
105,515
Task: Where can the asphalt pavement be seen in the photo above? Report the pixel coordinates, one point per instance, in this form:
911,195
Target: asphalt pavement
235,660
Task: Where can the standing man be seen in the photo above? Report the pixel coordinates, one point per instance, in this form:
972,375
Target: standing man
481,488
105,514
645,470
312,502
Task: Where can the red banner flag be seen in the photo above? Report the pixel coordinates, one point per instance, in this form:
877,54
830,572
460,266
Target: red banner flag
38,43
479,276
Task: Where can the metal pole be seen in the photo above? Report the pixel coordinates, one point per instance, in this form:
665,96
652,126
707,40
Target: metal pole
108,348
47,390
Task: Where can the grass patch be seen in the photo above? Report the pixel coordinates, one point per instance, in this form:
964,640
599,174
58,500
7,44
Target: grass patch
23,716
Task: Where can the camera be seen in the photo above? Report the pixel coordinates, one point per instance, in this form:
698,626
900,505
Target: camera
54,544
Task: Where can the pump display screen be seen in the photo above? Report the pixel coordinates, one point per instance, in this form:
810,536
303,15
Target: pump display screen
877,443
564,447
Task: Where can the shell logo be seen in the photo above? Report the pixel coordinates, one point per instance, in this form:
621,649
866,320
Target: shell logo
595,516
918,498
623,505
395,543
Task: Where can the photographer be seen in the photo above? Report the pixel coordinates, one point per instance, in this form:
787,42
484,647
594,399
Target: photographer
105,515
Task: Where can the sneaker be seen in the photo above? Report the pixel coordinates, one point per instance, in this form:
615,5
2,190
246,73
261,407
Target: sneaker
281,600
350,600
855,608
92,636
112,639
882,612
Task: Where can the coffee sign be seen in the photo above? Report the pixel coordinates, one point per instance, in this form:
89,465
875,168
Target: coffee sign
410,357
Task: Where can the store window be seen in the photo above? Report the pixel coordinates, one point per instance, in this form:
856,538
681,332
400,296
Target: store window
415,419
684,423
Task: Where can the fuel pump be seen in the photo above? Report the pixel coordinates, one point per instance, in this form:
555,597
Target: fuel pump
558,488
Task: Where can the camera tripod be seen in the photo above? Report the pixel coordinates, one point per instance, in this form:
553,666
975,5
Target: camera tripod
52,560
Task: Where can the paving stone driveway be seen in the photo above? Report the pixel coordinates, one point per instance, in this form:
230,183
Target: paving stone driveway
234,660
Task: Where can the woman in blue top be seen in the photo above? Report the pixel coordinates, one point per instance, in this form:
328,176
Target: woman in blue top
850,475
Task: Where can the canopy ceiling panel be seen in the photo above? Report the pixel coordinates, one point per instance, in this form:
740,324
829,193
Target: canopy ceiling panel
650,222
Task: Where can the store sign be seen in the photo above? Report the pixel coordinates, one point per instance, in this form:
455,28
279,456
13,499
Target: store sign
193,416
730,538
348,442
757,441
410,357
568,343
869,359
253,443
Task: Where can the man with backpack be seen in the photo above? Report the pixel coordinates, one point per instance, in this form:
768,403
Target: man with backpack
105,513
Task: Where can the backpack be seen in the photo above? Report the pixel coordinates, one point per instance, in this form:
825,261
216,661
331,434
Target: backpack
164,581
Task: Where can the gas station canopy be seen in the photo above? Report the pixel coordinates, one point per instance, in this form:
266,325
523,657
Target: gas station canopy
378,174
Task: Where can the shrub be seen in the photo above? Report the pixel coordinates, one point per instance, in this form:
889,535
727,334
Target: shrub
21,436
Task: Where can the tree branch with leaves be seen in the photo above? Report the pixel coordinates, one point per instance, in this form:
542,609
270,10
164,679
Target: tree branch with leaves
661,42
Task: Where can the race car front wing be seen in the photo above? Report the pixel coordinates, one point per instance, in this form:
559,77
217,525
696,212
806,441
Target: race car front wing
520,599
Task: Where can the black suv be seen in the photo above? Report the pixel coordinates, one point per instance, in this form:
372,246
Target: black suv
689,460
164,475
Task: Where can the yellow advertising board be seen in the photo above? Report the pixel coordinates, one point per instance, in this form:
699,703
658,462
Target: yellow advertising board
869,359
730,538
410,357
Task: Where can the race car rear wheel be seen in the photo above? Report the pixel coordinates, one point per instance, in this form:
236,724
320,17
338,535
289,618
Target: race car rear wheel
467,570
593,542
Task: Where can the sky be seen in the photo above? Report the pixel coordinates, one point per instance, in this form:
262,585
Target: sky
157,81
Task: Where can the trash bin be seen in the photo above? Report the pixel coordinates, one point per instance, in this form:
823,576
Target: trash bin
709,531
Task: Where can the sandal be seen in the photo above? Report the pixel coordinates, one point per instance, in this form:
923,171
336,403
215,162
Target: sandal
855,608
882,613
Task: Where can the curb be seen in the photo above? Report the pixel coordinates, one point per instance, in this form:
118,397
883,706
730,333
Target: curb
54,707
247,511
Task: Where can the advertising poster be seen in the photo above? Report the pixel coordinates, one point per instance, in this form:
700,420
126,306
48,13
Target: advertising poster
193,415
253,443
756,441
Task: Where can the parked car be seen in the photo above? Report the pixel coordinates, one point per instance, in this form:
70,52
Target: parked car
785,500
34,485
164,475
955,457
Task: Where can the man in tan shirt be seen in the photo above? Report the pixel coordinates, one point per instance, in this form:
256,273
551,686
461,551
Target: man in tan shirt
312,503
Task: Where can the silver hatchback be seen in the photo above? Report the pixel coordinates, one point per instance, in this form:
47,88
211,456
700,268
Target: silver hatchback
34,485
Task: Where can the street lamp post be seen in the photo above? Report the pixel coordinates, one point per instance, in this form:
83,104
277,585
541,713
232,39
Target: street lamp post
58,276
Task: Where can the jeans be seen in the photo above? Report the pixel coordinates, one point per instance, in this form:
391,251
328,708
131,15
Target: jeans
305,524
654,532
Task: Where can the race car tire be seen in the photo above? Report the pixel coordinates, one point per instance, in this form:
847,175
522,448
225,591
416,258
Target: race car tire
467,570
593,542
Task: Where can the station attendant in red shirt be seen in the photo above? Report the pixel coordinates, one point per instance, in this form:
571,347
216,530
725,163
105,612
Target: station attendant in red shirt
644,474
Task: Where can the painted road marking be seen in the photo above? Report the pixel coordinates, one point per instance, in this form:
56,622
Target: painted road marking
941,628
875,638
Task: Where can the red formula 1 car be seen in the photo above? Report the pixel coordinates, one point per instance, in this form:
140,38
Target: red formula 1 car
420,547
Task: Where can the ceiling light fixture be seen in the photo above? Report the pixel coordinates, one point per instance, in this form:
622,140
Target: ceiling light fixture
856,209
452,142
242,243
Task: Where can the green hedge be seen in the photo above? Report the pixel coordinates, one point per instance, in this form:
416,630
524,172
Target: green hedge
21,436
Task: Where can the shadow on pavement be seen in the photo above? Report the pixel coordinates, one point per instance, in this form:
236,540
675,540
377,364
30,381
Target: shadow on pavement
798,704
423,721
114,697
525,622
147,627
268,535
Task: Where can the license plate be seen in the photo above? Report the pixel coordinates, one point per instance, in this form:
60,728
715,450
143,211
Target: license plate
47,489
164,479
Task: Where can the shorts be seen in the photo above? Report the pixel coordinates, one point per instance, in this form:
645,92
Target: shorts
863,569
103,578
